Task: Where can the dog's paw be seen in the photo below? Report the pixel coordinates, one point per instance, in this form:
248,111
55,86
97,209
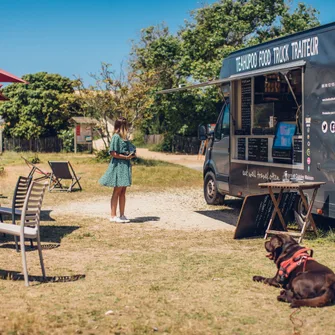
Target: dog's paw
281,298
258,278
294,304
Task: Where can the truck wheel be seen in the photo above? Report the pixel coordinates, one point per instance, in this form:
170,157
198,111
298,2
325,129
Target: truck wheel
212,196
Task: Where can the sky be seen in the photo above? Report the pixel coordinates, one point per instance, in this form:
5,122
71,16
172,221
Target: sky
73,37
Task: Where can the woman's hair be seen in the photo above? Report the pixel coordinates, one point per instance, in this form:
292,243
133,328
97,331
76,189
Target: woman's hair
121,127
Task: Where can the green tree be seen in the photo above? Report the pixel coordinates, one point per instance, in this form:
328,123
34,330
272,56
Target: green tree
41,108
196,52
112,95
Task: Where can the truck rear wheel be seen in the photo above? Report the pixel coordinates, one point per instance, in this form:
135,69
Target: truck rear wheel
212,196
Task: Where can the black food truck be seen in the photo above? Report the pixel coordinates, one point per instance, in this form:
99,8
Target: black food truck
278,118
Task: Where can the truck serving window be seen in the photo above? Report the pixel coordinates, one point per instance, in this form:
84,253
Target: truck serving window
268,112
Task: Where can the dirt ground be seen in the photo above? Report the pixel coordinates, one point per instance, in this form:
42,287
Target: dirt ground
191,161
173,209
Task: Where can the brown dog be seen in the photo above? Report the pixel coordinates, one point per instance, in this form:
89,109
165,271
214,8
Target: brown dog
305,281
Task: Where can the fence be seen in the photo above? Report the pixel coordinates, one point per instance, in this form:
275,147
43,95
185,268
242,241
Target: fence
47,144
153,139
189,145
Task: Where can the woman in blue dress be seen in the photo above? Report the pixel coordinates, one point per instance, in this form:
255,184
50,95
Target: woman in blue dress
118,174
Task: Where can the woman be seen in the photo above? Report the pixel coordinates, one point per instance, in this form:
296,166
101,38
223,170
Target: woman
118,174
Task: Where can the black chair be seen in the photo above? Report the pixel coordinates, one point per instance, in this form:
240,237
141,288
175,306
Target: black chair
19,196
63,171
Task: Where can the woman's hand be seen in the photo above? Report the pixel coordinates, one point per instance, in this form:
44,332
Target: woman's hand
130,156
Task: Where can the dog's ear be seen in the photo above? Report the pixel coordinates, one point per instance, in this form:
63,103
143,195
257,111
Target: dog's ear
268,246
275,242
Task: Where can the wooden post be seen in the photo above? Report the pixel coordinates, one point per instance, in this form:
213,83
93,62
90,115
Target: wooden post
202,148
75,137
91,138
1,148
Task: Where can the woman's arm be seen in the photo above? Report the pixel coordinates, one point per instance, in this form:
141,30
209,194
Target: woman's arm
114,154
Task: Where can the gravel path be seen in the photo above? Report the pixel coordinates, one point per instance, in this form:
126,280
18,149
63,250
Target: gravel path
190,161
173,209
178,209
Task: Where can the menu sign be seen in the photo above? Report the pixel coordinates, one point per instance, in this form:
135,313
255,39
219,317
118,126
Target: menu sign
241,148
246,105
258,149
256,213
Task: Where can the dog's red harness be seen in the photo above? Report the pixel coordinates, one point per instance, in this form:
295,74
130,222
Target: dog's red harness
300,257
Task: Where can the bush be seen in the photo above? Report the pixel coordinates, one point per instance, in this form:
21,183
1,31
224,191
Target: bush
148,162
138,140
102,156
35,159
66,136
165,146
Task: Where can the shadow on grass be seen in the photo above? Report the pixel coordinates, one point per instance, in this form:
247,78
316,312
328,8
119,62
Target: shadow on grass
227,215
54,234
45,216
51,237
30,247
14,275
143,219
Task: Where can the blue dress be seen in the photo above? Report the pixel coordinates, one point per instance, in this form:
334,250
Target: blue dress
118,173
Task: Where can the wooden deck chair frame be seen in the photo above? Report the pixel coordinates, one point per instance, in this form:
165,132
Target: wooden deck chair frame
63,171
36,170
19,196
30,224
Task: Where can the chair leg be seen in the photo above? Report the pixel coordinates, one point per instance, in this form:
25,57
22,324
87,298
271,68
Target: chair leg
41,256
15,237
24,261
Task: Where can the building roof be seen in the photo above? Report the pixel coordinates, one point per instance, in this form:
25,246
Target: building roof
84,120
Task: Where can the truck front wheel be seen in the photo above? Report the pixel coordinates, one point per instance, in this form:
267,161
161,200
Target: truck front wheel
212,196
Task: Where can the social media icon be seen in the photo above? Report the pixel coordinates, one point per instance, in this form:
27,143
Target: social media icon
324,127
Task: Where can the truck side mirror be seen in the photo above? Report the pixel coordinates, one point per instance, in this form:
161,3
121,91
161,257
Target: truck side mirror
202,133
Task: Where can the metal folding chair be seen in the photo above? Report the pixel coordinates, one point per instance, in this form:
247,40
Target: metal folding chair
19,195
30,224
63,171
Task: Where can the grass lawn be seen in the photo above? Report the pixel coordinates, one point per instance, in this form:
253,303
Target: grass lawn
151,280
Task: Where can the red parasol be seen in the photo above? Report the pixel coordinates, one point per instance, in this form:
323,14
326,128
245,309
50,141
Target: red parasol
7,77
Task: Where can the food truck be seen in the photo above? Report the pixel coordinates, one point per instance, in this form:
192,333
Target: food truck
278,118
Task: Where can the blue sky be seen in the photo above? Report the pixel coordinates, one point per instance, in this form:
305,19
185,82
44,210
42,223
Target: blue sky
72,37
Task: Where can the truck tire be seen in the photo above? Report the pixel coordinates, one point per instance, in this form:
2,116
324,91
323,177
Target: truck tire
212,196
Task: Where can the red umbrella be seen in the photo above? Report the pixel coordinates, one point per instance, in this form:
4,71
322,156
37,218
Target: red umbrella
7,77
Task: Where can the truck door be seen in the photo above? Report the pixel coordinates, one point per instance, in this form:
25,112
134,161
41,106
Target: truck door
220,150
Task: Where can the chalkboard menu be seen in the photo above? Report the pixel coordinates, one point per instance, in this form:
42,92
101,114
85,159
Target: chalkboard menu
258,149
256,213
246,105
241,148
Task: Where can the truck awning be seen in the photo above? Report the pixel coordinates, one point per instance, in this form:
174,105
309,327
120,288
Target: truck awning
259,72
271,69
206,83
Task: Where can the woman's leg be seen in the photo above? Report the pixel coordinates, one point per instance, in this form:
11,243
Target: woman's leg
122,200
115,199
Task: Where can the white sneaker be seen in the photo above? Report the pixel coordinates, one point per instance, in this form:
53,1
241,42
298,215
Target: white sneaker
114,219
124,219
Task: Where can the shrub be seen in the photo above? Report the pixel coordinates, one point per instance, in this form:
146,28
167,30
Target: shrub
66,136
102,155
